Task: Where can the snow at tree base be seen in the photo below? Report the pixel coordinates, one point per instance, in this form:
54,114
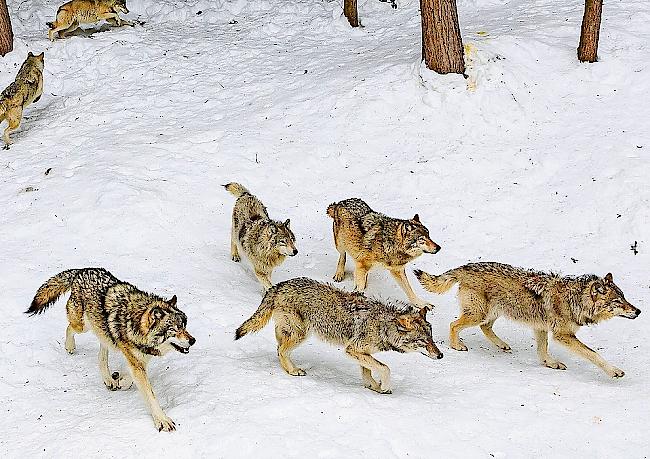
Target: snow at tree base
535,160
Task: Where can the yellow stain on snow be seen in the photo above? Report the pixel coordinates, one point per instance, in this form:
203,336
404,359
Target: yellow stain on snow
470,53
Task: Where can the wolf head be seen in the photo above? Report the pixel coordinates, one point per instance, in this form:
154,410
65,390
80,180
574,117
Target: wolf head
119,6
608,300
166,326
410,332
415,237
282,239
37,60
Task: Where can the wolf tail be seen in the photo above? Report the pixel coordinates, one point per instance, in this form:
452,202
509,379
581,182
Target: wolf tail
437,284
331,209
236,189
50,291
261,317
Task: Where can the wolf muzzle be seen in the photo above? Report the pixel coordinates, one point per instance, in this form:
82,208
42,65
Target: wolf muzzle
433,352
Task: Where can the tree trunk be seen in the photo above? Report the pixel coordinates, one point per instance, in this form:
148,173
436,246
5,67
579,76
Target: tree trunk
588,47
6,34
442,45
350,11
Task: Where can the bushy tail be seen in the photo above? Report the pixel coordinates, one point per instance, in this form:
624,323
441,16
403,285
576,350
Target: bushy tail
51,290
331,209
236,189
436,284
261,316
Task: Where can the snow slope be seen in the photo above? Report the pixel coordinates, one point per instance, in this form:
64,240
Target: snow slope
541,163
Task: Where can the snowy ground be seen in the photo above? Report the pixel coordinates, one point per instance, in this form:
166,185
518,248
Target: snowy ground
543,165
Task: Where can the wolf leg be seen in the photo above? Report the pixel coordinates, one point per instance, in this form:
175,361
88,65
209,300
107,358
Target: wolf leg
368,381
75,323
370,363
576,346
13,117
400,276
264,278
113,381
464,321
234,250
339,275
139,373
473,310
360,276
74,26
288,337
541,336
486,328
57,27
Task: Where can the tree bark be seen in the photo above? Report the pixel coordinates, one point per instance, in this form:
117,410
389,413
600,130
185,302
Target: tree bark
442,44
588,47
6,33
350,11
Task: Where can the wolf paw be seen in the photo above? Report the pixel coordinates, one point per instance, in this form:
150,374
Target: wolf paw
6,147
163,423
616,373
459,346
555,364
119,382
505,348
236,258
298,372
338,277
380,390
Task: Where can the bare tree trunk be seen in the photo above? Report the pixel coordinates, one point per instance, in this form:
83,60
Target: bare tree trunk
350,11
442,45
588,47
6,33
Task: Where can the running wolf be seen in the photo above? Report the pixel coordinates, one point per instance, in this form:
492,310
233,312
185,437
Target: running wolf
361,325
545,302
75,12
265,242
373,238
138,324
27,88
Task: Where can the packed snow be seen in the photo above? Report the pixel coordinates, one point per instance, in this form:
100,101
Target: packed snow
535,160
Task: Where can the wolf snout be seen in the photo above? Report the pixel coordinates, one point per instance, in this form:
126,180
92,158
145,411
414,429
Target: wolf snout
433,248
294,253
433,352
192,340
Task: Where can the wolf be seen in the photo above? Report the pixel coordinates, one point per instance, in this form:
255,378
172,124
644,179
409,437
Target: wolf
25,89
265,242
373,238
140,325
546,302
360,324
75,12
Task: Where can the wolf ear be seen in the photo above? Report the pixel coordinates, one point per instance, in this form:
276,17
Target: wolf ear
416,218
172,301
609,278
404,323
30,54
597,288
286,224
423,312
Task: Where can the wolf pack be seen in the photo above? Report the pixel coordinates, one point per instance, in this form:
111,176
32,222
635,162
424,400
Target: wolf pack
141,325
